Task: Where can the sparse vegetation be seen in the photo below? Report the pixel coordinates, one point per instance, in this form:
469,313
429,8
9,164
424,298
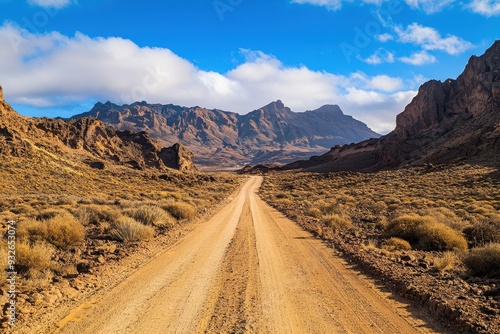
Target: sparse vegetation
151,215
127,229
484,261
180,210
395,244
335,222
62,231
410,227
34,257
446,261
426,233
71,219
448,215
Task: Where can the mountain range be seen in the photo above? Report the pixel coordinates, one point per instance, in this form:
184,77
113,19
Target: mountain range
272,133
70,144
447,122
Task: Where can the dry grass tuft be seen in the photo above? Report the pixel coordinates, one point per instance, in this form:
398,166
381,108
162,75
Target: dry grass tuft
394,244
151,215
447,261
33,257
127,230
484,261
425,233
336,222
62,231
180,210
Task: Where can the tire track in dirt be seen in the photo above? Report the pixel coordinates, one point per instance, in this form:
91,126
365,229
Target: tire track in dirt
234,303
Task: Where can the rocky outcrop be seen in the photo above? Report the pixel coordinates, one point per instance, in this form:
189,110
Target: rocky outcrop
446,122
273,133
88,138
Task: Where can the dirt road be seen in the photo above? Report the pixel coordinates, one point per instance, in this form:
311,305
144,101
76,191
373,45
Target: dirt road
247,270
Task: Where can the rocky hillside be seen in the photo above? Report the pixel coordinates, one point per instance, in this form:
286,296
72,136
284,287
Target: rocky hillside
86,139
270,134
449,121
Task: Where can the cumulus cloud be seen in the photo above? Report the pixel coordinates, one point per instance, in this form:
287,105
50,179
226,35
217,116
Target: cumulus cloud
429,6
55,71
51,3
430,39
418,58
384,37
485,7
380,56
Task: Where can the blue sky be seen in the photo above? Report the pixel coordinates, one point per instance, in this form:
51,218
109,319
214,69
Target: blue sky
59,57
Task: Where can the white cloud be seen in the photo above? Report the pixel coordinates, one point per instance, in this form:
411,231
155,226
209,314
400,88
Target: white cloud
329,4
336,4
429,6
52,70
419,58
384,37
486,7
379,57
430,39
381,83
51,3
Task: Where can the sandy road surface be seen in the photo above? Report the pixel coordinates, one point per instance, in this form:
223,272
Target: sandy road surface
247,270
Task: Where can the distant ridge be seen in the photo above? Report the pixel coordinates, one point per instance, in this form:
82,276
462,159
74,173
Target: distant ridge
447,122
272,133
86,140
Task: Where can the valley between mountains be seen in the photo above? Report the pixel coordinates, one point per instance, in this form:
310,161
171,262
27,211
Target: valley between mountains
118,232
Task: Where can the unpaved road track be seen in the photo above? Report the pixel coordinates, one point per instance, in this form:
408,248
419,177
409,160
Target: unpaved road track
247,270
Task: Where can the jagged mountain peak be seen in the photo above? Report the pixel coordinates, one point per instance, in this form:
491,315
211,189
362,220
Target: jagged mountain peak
446,122
273,133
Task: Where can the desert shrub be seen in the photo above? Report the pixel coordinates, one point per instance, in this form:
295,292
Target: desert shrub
151,215
392,244
483,233
447,261
336,222
33,257
180,210
48,214
447,217
127,229
64,230
314,212
23,209
484,261
327,208
425,233
31,231
94,214
86,216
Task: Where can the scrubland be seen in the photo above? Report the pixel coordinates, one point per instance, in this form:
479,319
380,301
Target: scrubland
71,221
432,234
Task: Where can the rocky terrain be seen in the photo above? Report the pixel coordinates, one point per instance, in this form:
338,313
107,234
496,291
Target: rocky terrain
446,122
89,203
353,211
272,133
87,138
